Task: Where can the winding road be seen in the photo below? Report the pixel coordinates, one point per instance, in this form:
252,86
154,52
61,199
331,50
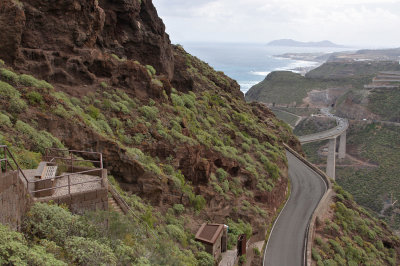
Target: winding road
286,244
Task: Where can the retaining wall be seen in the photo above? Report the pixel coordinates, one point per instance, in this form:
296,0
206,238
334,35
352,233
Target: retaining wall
81,202
15,199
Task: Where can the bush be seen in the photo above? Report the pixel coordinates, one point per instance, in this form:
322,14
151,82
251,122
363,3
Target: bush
221,174
151,70
89,252
178,208
9,75
198,202
315,254
177,100
242,260
34,98
28,80
5,120
40,140
14,250
93,111
150,112
16,104
104,85
176,232
205,259
53,223
256,251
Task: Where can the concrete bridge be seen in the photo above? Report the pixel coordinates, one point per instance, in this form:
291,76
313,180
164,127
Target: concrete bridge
331,135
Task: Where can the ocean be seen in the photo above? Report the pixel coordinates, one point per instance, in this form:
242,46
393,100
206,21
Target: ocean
249,63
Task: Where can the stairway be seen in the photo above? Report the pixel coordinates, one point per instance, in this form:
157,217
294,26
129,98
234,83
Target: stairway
113,205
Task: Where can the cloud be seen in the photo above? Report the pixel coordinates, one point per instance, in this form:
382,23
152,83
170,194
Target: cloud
343,21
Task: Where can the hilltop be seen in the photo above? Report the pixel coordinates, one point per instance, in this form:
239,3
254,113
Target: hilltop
178,139
293,43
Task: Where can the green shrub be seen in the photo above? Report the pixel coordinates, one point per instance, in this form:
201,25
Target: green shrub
34,98
93,111
116,57
151,70
7,91
177,233
178,208
217,188
337,247
198,202
157,82
204,259
104,85
89,252
242,259
221,174
40,140
256,251
245,146
53,223
150,112
9,75
177,100
236,229
14,250
30,81
315,255
5,120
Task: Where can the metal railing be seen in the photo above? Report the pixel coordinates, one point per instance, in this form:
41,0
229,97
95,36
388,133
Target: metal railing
52,154
7,155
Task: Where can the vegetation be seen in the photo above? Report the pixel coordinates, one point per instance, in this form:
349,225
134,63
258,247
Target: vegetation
209,122
353,236
372,187
385,103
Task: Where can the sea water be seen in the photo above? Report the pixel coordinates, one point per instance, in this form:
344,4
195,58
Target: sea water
250,63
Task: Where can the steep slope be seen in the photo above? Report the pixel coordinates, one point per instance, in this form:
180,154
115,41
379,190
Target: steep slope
350,235
172,130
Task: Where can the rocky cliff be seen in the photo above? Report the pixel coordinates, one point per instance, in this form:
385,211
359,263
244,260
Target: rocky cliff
103,75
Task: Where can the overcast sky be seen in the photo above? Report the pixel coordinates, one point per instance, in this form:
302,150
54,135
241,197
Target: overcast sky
364,23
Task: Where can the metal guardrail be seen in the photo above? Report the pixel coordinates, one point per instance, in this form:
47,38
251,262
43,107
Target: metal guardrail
7,162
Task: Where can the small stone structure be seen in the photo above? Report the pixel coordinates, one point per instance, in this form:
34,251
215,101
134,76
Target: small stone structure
214,238
80,188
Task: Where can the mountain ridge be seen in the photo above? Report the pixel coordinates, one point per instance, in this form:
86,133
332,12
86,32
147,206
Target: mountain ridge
294,43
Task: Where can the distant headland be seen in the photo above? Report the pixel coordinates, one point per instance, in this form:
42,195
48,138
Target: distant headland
293,43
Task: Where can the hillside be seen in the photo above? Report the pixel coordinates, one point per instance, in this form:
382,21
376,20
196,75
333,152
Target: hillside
181,143
350,235
288,88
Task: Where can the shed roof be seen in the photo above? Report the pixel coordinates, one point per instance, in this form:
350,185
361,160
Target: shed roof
209,233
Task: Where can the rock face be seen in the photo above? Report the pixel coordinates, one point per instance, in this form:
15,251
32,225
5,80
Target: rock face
70,42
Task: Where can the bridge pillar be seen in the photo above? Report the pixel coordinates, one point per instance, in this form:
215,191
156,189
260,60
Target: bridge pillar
331,161
342,146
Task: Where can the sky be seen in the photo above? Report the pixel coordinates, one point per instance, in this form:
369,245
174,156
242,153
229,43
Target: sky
359,23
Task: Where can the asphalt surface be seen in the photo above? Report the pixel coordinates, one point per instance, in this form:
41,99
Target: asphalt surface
342,126
286,244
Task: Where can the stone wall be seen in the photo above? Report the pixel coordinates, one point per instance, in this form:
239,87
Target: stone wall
84,201
15,200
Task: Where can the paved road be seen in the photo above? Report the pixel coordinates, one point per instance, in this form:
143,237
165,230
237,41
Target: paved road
342,126
287,240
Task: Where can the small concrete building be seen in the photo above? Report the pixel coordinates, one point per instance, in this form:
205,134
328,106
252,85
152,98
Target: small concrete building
214,238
